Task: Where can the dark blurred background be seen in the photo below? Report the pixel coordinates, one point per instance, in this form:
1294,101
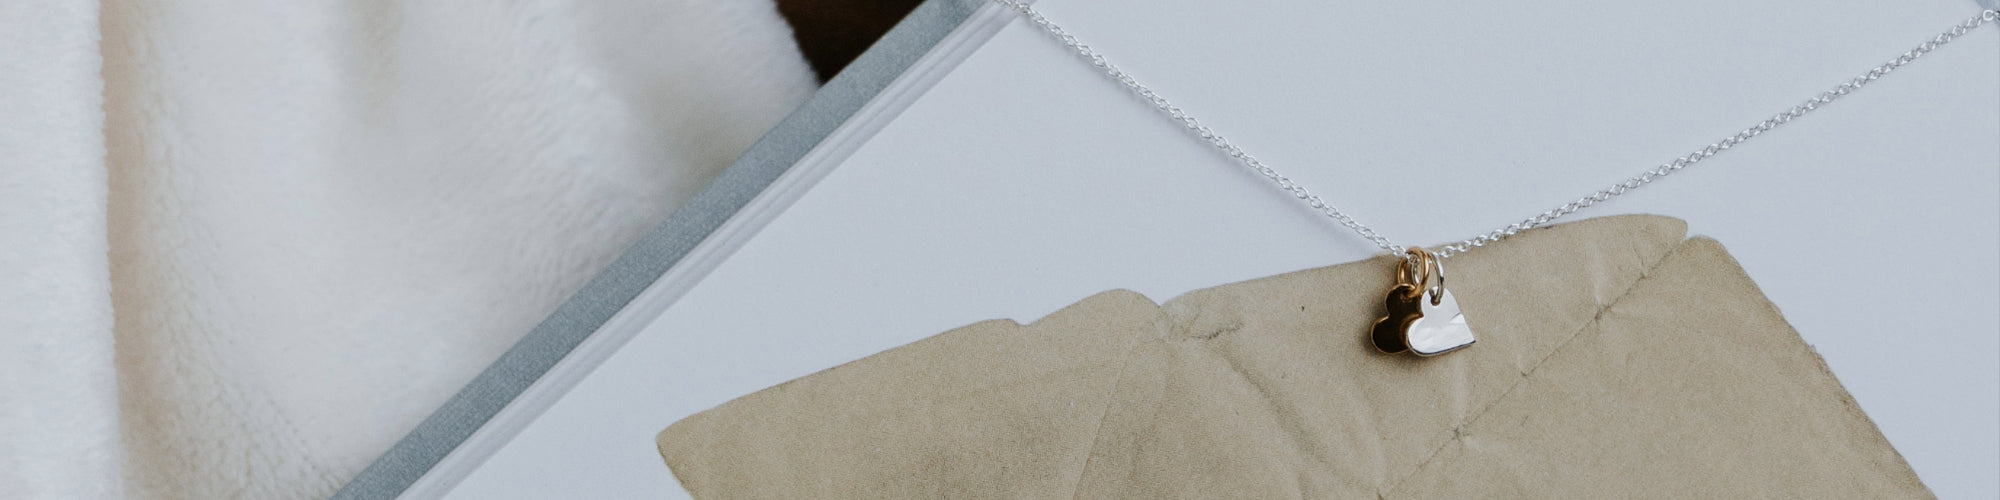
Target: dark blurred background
832,32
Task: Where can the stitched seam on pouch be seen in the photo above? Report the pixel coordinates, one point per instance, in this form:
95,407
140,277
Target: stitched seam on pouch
1586,326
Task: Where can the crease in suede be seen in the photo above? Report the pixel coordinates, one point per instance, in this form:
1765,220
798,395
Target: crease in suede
1595,319
1182,322
1104,414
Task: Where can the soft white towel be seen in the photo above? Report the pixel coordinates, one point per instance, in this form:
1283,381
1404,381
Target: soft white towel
303,225
58,394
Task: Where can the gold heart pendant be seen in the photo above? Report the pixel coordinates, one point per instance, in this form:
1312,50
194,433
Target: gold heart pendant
1421,317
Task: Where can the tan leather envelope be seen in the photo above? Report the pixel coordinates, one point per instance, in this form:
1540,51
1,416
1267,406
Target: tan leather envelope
1615,359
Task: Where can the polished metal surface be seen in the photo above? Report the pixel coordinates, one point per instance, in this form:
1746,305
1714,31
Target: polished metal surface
1420,315
1402,309
1441,328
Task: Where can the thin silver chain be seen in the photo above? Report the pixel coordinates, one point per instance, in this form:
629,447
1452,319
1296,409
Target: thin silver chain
1195,126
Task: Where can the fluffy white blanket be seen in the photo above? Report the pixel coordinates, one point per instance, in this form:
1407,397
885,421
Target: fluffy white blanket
245,246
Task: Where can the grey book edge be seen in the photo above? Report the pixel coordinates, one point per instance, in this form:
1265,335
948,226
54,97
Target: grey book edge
666,246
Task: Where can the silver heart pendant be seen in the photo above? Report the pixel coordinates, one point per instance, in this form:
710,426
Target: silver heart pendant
1442,327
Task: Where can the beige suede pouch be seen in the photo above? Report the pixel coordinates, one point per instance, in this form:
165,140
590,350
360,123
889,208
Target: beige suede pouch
1615,359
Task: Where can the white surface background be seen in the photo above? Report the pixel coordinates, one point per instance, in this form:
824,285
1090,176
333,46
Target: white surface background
1024,182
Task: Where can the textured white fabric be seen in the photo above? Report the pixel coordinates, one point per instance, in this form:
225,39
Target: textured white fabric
58,394
245,246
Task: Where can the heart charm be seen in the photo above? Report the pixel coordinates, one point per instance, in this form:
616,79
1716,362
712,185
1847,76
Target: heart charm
1419,314
1441,328
1390,333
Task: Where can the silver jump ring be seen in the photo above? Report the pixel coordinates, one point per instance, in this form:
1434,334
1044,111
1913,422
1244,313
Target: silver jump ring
1437,292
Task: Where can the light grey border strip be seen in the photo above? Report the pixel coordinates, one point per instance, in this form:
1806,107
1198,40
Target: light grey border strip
658,251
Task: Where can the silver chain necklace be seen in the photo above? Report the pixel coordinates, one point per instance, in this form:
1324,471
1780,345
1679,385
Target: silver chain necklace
1436,326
